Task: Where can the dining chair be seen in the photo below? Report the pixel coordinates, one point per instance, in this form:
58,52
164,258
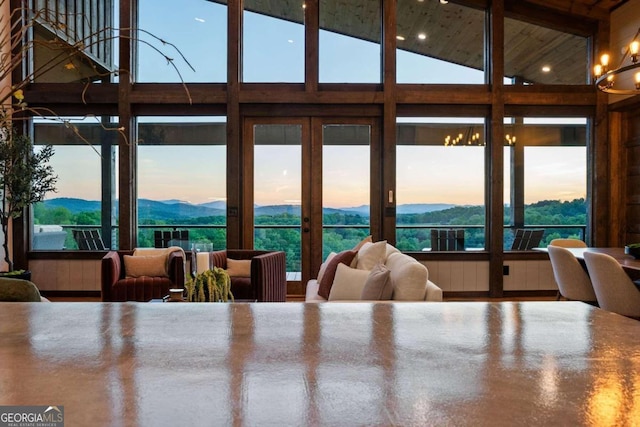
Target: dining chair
568,243
525,240
447,240
615,290
573,281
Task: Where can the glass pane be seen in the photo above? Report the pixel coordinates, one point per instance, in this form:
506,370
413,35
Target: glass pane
345,186
272,42
439,43
350,41
539,55
182,165
197,29
440,180
78,163
277,190
554,179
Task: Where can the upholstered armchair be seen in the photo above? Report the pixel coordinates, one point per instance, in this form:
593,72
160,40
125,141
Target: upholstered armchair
264,280
146,279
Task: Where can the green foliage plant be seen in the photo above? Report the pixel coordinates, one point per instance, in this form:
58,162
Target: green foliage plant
209,286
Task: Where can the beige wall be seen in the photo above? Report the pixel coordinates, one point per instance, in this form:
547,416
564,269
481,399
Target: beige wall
473,276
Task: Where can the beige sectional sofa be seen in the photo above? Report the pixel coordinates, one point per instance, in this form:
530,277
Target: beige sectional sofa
406,278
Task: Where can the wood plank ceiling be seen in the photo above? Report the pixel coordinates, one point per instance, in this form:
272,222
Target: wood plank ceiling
454,32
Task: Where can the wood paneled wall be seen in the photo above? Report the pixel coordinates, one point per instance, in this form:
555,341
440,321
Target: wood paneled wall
631,144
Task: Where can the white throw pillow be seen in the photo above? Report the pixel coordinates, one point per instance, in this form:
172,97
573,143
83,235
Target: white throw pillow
348,283
370,254
409,277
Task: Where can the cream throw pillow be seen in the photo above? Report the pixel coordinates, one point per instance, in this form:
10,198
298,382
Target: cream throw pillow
347,283
239,267
151,266
371,254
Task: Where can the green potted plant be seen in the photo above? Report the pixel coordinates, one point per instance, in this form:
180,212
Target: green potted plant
633,249
209,286
25,177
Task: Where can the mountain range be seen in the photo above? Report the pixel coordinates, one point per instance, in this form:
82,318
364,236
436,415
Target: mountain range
175,209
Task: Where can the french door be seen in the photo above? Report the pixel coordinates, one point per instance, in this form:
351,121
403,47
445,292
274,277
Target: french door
311,182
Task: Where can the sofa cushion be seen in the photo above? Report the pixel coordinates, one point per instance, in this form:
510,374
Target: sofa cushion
392,250
371,254
378,285
151,266
239,267
323,267
311,293
344,257
367,239
348,283
409,277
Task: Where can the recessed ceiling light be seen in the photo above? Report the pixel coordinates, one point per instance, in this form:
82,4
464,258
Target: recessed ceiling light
422,36
199,19
290,41
400,37
546,69
443,2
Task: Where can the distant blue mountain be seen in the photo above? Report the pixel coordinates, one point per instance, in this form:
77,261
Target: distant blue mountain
151,209
416,208
277,210
177,209
74,205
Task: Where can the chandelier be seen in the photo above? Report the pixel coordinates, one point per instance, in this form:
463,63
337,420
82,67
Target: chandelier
605,78
470,137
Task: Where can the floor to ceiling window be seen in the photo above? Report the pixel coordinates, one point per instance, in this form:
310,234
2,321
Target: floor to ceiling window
273,43
83,148
440,181
439,43
196,36
350,49
182,179
547,162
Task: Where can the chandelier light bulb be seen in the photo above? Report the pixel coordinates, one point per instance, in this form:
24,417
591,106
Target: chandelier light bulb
634,47
597,70
637,76
604,60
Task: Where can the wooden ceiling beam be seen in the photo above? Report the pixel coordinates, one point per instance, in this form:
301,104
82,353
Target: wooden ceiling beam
559,21
575,8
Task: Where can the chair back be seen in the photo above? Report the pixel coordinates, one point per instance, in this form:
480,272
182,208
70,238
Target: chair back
18,290
525,240
447,240
166,239
89,240
568,243
615,290
573,282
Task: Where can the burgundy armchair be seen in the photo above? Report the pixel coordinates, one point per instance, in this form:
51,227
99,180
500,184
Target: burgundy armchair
117,287
268,281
